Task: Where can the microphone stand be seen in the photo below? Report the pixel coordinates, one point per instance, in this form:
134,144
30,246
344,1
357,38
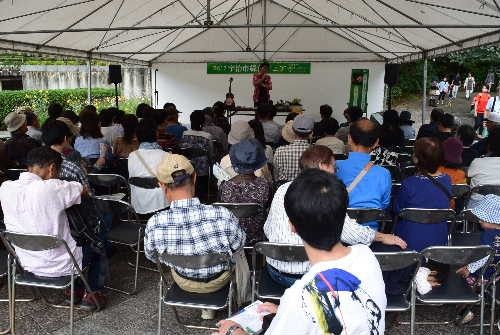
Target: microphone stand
156,91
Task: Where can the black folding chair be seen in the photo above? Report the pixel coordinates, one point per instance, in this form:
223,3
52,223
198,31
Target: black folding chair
454,290
241,210
20,277
194,153
340,157
408,171
13,174
126,230
466,237
392,261
263,287
4,273
395,173
174,296
109,184
364,215
429,216
460,193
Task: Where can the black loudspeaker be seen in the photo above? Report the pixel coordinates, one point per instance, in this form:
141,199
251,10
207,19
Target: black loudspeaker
115,74
391,77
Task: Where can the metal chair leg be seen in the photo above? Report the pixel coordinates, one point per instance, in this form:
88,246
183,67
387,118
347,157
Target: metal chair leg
481,326
493,302
13,300
412,309
72,304
160,303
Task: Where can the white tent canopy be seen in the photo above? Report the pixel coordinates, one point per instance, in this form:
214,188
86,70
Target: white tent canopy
156,31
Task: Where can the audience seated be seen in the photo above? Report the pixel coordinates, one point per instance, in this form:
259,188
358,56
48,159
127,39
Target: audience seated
247,157
452,154
217,133
166,140
330,128
220,120
144,110
142,163
197,138
351,114
72,116
428,189
18,146
326,112
485,170
277,226
406,125
340,279
445,127
54,111
32,123
466,134
91,144
272,131
110,130
124,145
431,129
369,186
286,158
191,228
173,127
391,137
36,204
492,122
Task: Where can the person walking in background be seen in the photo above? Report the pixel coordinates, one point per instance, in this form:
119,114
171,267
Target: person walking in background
469,85
480,103
456,83
443,87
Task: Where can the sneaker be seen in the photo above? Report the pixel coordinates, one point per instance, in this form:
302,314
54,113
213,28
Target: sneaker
78,296
207,314
465,316
93,301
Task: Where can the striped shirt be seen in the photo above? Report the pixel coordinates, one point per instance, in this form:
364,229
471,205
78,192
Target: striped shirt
277,229
191,228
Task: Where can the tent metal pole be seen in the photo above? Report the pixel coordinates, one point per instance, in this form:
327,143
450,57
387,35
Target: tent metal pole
264,30
424,86
89,80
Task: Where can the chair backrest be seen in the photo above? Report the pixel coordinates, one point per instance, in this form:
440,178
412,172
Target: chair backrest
149,183
122,210
193,152
395,172
281,252
13,174
3,262
460,190
340,157
427,215
404,158
242,210
363,215
459,255
486,189
409,171
32,242
391,261
195,261
112,183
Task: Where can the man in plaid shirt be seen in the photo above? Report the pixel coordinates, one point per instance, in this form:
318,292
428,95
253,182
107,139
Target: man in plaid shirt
286,158
191,228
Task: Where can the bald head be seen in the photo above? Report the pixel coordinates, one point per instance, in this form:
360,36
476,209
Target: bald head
364,133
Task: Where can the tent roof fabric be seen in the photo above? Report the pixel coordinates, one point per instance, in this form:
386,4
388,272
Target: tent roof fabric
152,31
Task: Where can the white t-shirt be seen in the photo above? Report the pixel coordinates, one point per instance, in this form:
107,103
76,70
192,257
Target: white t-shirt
489,105
345,296
483,171
144,200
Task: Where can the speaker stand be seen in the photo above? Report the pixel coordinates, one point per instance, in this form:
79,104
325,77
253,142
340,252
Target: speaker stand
389,98
116,95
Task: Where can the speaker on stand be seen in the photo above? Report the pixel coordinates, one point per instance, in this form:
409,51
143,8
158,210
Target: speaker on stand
115,77
391,78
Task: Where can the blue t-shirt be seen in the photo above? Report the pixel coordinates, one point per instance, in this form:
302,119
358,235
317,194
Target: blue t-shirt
89,147
176,129
373,191
419,192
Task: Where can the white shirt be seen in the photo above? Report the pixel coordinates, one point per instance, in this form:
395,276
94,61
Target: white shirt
483,171
277,229
112,132
146,200
34,133
351,301
489,105
35,206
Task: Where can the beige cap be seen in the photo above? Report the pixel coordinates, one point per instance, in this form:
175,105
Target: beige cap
287,132
174,169
72,127
14,121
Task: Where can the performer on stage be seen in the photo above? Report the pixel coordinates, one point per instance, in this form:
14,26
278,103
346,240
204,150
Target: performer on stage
262,85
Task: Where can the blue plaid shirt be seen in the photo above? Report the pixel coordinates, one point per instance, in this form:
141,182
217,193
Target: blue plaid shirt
191,228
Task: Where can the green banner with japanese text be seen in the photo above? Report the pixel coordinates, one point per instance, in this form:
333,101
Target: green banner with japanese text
359,89
252,67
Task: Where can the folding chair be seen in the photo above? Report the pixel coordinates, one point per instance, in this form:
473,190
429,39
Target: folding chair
395,173
33,242
466,238
122,167
486,189
493,293
460,193
241,210
455,290
126,230
263,287
175,297
364,215
408,171
4,273
13,174
109,184
392,261
340,157
430,216
194,153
